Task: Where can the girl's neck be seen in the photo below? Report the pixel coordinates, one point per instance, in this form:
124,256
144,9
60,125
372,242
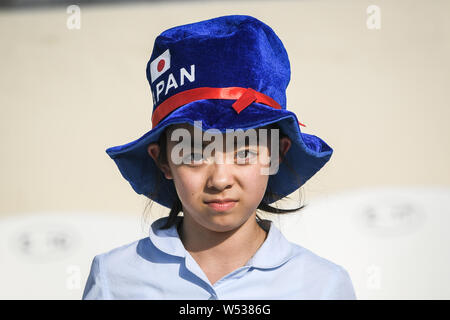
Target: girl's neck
230,249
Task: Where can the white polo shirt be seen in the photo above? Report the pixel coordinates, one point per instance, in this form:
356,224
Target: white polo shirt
159,267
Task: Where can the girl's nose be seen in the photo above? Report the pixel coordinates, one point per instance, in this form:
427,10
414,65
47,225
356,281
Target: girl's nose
220,176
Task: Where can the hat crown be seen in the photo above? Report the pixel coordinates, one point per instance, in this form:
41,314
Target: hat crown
227,51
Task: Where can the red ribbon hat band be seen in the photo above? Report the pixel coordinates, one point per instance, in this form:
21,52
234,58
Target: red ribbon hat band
243,96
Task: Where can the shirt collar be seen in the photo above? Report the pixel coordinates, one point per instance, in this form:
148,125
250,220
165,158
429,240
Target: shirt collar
275,250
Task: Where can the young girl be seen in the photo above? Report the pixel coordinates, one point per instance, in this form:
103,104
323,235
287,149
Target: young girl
210,80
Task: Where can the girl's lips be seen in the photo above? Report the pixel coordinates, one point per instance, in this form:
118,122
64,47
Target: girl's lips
222,206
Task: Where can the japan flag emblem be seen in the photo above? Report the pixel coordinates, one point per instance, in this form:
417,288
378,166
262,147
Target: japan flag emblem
160,65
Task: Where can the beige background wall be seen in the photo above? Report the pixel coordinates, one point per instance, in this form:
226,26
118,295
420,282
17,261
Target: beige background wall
380,98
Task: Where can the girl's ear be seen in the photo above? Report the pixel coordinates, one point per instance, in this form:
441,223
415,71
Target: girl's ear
285,144
153,150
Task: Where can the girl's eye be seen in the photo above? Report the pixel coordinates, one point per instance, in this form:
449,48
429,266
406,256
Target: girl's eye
193,158
246,154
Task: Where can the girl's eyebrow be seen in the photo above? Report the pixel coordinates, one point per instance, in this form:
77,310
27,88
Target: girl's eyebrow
206,143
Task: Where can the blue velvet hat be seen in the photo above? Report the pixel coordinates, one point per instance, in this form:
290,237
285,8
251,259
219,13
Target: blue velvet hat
229,72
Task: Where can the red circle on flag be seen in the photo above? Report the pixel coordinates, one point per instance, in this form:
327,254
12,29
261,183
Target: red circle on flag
161,64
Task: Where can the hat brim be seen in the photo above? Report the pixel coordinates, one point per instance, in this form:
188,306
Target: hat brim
307,154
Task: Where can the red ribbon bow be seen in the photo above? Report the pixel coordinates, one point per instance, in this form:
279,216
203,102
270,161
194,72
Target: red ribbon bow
243,96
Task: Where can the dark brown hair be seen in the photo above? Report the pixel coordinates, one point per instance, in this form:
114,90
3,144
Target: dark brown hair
177,206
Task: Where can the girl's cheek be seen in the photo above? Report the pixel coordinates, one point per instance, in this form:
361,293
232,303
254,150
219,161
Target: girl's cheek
251,175
189,181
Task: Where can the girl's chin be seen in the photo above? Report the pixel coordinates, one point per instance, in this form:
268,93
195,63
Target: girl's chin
222,226
223,222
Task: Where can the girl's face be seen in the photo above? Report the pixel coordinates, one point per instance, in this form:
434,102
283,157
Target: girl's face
206,180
